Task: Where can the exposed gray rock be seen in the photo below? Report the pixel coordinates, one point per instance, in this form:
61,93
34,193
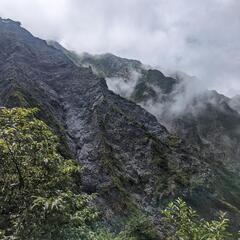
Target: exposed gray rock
206,120
124,150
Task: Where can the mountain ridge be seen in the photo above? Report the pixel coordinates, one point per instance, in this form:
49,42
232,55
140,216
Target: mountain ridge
207,121
163,96
130,160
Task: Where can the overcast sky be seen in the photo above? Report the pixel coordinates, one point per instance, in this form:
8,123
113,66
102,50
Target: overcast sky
199,37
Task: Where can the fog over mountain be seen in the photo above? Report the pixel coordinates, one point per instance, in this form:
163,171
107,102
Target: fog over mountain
143,136
200,38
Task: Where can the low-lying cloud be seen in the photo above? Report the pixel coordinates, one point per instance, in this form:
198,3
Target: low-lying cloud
200,38
179,102
124,87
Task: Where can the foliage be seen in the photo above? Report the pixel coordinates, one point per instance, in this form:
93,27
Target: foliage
139,227
40,196
39,190
186,224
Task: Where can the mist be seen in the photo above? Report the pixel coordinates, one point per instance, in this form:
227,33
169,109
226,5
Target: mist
124,87
200,38
180,101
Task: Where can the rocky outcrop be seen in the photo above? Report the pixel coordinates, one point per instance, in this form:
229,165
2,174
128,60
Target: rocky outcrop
129,159
206,120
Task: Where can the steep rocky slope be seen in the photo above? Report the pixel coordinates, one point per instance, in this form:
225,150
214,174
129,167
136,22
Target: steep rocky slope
205,119
129,158
127,155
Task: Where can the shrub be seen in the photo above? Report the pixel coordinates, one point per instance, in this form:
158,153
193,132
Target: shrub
184,224
39,193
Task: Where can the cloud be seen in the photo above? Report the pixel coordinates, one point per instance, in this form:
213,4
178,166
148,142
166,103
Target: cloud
181,101
200,38
124,87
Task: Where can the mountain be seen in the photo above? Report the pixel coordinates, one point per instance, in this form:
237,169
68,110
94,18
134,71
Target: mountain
206,120
130,160
235,103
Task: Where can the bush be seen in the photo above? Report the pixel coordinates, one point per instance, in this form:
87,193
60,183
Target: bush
39,194
184,224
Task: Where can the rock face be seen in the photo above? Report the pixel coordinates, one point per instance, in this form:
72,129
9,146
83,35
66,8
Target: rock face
206,120
129,158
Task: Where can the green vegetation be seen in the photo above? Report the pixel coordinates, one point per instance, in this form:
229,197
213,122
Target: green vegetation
39,194
137,227
18,97
41,197
173,141
184,224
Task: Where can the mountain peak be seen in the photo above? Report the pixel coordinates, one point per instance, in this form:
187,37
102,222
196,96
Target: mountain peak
9,21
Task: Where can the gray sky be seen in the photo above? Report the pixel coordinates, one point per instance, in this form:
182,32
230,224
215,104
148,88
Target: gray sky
199,37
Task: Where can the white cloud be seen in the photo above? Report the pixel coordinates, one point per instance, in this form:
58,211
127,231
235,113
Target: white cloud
197,37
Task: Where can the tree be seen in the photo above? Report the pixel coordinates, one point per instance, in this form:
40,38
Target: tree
41,198
40,195
185,224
